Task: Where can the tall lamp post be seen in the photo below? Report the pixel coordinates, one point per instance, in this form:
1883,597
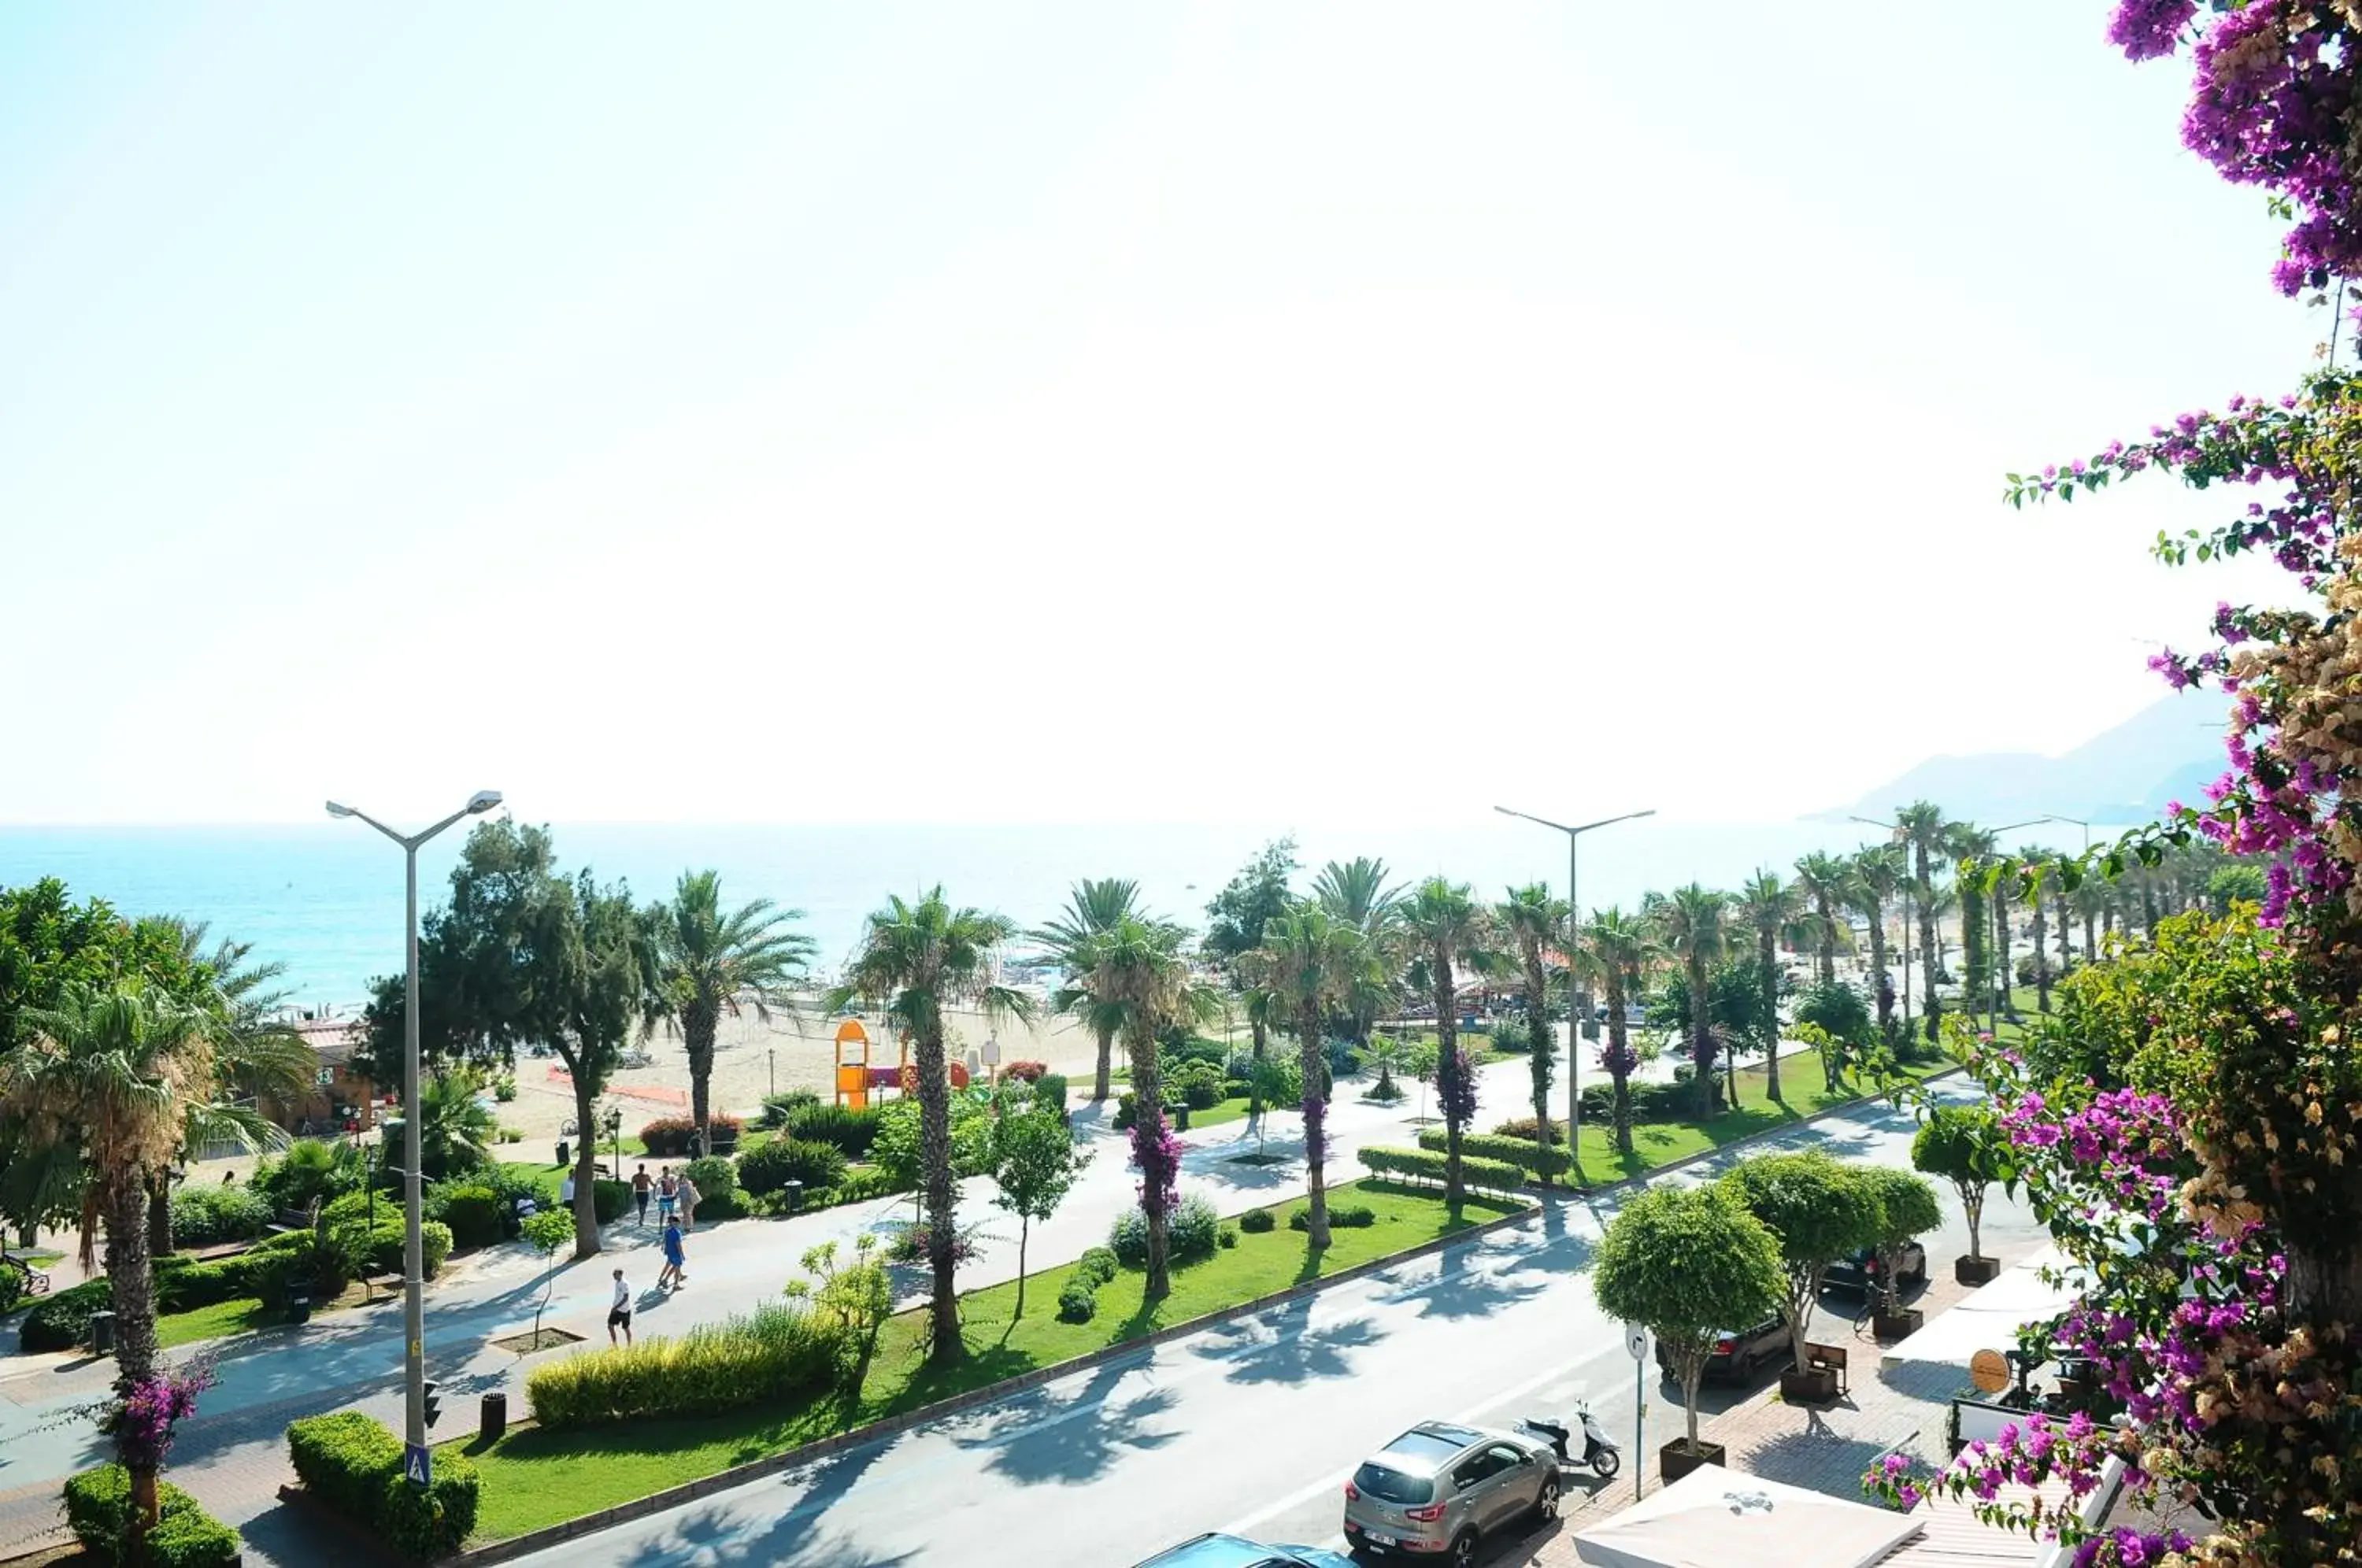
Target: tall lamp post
1573,927
413,1291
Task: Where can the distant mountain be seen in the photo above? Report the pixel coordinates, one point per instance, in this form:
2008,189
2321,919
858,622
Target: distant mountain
2169,751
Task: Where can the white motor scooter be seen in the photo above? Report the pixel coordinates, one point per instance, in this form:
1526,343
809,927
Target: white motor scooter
1600,1452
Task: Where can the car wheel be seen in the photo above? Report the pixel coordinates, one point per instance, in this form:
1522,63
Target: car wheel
1464,1550
1546,1501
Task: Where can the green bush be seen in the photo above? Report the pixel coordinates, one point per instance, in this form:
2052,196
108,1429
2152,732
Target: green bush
1255,1221
353,1465
61,1321
778,1353
204,1284
1194,1231
474,1214
1077,1303
851,1131
379,1251
12,1290
98,1508
1197,1083
1128,1239
1341,1216
1524,1152
717,1187
1050,1090
777,1108
1422,1165
1097,1265
211,1216
1229,1236
670,1136
1529,1128
770,1168
309,1168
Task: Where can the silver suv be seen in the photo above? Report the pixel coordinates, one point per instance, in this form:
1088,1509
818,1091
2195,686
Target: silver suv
1440,1487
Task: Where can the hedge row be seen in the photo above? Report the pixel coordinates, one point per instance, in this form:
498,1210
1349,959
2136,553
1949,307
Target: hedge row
1523,1152
98,1508
210,1216
1495,1175
776,1354
353,1465
673,1135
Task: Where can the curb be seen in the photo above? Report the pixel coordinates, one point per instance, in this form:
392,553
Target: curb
690,1492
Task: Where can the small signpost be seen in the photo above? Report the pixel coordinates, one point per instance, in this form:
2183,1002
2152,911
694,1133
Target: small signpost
1635,1340
418,1465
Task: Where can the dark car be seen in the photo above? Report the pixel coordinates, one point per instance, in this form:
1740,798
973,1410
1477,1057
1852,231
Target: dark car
1214,1551
1738,1355
1860,1271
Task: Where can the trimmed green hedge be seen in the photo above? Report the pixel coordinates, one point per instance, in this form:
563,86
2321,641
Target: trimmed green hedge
778,1353
473,1212
61,1321
1420,1165
354,1465
851,1131
210,1216
817,1163
98,1508
1524,1152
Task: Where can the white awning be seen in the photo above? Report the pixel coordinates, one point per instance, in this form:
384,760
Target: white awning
1990,1317
1713,1518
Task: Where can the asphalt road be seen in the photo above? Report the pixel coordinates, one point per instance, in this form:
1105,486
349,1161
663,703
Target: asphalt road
1252,1425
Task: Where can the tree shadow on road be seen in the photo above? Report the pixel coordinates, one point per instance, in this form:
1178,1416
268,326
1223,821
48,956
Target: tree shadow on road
1073,1438
1288,1349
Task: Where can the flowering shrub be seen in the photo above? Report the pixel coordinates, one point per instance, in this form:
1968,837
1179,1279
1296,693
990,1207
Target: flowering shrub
1156,1153
141,1420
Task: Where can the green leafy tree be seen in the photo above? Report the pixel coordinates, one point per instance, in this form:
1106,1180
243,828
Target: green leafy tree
1308,962
1906,1210
1837,1010
1771,908
1694,926
856,1296
916,960
1448,931
1963,1145
1819,1210
1686,1263
716,961
1034,1161
1093,907
1533,920
547,1232
2036,885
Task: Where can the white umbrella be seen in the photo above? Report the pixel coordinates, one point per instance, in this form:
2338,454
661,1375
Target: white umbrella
1713,1518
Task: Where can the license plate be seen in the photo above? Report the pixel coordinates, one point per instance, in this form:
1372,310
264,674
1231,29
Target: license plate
1379,1537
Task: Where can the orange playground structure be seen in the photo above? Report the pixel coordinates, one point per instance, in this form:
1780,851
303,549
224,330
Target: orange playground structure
858,1078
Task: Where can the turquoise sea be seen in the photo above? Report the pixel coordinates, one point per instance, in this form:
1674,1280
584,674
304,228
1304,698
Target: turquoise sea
325,900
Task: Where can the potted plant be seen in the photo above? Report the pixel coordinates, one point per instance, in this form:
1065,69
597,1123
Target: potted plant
1963,1145
1906,1211
1685,1264
1821,1211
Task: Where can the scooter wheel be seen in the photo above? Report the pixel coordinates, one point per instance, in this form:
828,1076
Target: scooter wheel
1607,1461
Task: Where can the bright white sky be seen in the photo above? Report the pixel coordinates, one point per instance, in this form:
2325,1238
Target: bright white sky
756,412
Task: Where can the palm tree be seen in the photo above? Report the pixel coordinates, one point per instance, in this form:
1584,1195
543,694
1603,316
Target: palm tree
1532,918
1140,968
1308,964
1875,872
1920,827
1092,909
2033,856
1448,931
1357,893
457,1130
1694,926
1618,947
1770,907
1821,878
1972,846
714,963
916,961
109,1073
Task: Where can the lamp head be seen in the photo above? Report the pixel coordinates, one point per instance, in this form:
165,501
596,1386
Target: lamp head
482,800
336,811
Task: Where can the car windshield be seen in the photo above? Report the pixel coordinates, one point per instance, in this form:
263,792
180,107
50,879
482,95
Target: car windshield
1392,1485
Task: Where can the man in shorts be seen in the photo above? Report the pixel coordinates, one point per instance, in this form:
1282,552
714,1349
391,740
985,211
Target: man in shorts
619,1315
676,1259
641,1188
667,1190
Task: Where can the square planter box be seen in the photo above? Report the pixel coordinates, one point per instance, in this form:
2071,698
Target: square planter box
1900,1325
1675,1459
1975,1271
1818,1386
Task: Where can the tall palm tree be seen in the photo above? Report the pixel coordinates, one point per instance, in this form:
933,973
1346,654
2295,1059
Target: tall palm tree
1357,892
2034,857
1531,918
1140,968
713,961
1309,963
1821,878
1875,872
916,961
1448,931
1972,846
1618,947
1694,926
1919,826
1770,907
1092,909
108,1072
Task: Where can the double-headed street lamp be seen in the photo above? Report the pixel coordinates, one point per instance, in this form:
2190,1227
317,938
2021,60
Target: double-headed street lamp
1574,931
413,1298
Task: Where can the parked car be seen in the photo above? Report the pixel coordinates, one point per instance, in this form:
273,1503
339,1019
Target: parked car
1740,1355
1440,1489
1860,1271
1212,1550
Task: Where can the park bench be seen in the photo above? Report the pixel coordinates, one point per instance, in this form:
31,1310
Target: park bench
36,1281
1830,1359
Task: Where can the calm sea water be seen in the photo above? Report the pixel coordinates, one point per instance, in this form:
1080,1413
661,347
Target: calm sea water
326,899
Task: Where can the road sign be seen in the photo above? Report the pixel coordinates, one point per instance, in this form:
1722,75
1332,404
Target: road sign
1635,1340
418,1464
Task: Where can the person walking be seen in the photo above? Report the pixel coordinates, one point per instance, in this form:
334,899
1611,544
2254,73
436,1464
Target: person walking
565,1189
676,1259
666,1191
619,1315
685,1192
641,1188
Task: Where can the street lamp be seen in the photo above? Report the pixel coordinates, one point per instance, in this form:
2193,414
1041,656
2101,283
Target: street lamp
417,1463
1573,925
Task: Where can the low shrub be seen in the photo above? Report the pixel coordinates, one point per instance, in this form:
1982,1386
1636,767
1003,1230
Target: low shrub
668,1137
1203,1094
1077,1303
61,1321
778,1353
1098,1266
98,1509
1229,1236
851,1131
777,1108
1651,1102
1255,1221
12,1290
1023,1072
1128,1239
1341,1216
1552,1160
504,1087
910,1245
782,1160
353,1463
1194,1230
1529,1128
1422,1165
1050,1090
381,1250
309,1168
206,1284
211,1216
473,1213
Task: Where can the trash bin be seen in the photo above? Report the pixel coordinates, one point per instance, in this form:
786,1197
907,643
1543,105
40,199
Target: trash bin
564,1148
793,1193
494,1420
1180,1118
102,1333
299,1301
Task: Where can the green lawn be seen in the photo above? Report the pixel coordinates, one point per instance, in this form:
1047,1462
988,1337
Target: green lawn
212,1323
532,1478
1234,1109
